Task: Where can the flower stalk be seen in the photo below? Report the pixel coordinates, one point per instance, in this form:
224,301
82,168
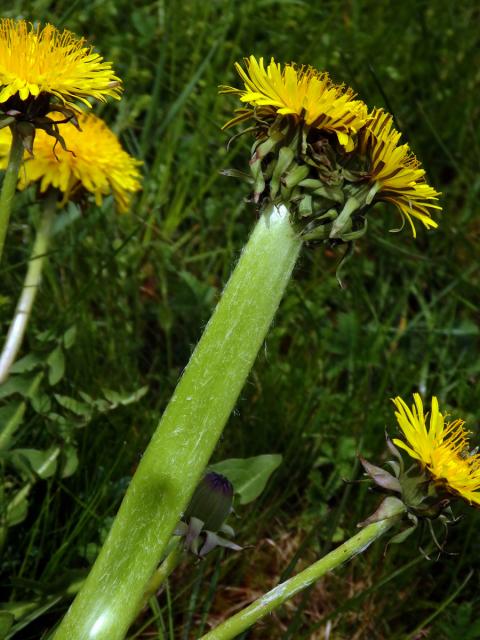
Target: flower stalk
169,564
244,619
10,184
187,434
31,285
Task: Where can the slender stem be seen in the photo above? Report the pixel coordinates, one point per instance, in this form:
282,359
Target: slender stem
9,185
170,563
247,617
187,434
31,285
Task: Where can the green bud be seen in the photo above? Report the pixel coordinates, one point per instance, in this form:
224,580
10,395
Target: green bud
305,206
296,175
415,493
212,501
285,159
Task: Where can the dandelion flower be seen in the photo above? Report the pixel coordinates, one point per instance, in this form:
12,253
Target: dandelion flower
442,448
38,62
300,92
318,150
5,142
395,172
93,160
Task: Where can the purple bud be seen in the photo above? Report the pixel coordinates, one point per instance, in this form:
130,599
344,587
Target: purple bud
212,501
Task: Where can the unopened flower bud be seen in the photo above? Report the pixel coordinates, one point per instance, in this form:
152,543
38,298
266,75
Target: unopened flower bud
212,501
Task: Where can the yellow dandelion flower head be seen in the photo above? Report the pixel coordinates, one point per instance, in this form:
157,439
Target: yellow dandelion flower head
5,144
395,171
302,92
93,159
441,447
35,61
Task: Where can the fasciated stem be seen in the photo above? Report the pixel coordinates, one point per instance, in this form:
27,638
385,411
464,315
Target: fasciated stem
9,185
31,285
244,619
187,434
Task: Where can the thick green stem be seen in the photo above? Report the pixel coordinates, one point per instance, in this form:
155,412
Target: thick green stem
247,617
9,185
186,436
31,284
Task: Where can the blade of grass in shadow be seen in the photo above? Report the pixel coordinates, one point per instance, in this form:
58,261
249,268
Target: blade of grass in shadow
439,608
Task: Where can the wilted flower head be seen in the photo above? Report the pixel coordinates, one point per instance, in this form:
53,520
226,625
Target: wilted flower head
442,448
394,171
93,160
304,93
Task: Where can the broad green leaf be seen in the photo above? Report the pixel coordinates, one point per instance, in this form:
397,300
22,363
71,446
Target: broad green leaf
69,337
28,363
70,461
75,406
8,411
11,416
41,403
43,463
17,513
248,475
116,397
6,622
56,362
21,384
99,404
46,336
26,612
88,399
102,405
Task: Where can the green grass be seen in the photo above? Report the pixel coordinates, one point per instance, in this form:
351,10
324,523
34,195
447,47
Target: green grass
140,288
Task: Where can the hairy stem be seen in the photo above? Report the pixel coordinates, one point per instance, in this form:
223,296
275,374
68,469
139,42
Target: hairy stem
187,434
31,285
247,617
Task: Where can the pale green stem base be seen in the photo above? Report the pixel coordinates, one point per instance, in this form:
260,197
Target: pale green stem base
186,436
237,624
9,185
31,284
